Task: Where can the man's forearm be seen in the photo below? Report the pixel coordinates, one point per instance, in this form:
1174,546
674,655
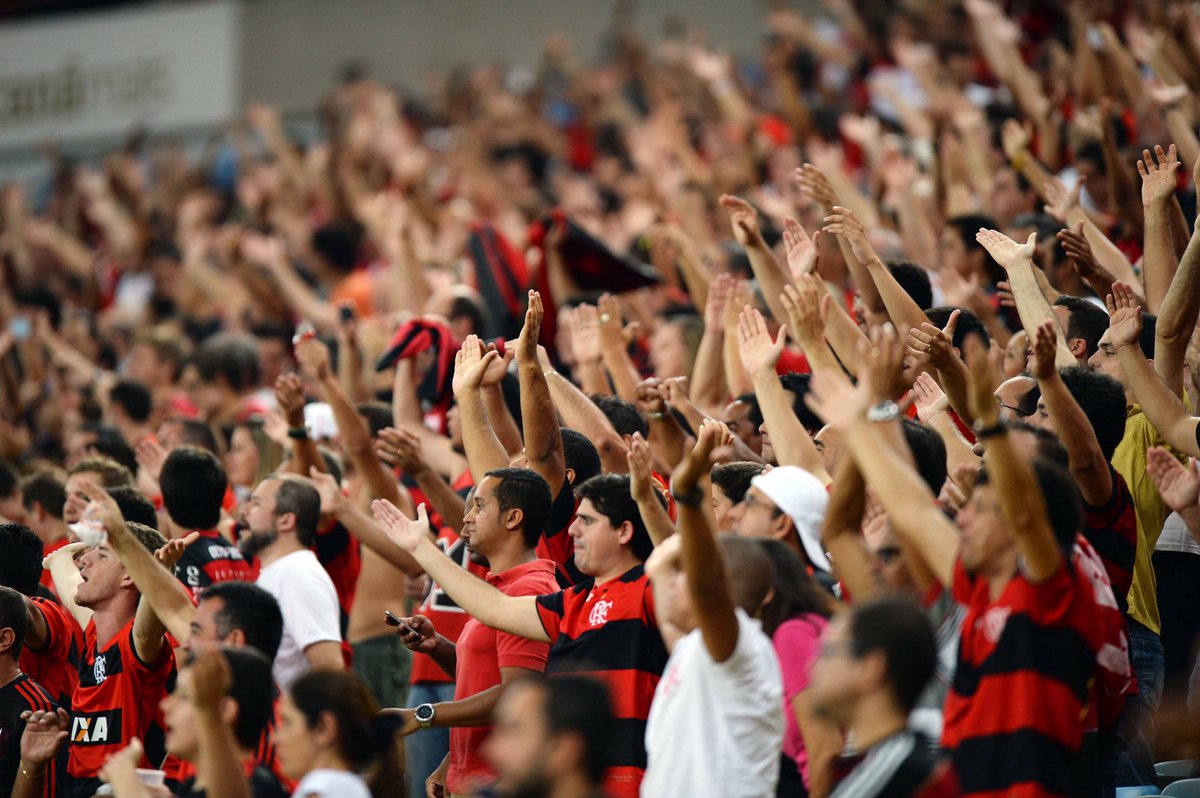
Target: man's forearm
512,614
1165,410
356,441
789,439
772,278
1085,459
581,413
502,420
218,765
1159,262
1177,317
543,440
448,504
364,529
1035,311
160,590
484,451
903,310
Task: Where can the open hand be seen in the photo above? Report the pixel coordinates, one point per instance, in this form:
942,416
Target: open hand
1124,316
1045,347
1158,179
758,351
1004,250
743,219
1179,486
801,248
405,532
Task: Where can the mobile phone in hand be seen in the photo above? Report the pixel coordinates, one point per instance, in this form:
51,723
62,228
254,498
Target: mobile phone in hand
392,620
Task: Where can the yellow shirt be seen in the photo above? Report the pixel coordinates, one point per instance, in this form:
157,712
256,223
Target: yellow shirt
1129,460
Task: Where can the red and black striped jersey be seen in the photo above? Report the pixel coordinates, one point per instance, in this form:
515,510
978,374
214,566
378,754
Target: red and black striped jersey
610,632
117,699
209,560
20,695
1015,714
1112,531
556,543
55,666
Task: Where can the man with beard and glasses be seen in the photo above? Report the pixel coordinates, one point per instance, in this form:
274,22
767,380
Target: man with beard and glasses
279,523
551,738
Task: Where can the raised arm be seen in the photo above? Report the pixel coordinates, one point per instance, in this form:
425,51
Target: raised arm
1177,316
517,615
360,525
641,487
1161,405
1158,191
841,532
903,310
406,414
313,358
789,439
402,450
484,451
771,275
1087,462
708,583
913,509
148,630
543,440
218,764
580,413
1017,260
289,397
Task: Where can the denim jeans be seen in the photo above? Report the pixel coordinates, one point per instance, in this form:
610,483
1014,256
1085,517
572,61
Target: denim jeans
424,750
1137,721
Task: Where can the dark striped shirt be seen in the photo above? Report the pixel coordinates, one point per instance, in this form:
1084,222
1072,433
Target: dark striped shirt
20,695
556,543
900,766
610,631
1014,718
1112,531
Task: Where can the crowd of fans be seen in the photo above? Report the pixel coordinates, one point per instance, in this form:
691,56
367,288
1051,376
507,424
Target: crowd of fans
817,422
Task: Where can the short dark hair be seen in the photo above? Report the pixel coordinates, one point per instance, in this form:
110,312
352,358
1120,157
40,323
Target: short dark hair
193,487
194,432
47,488
967,225
229,356
1085,320
580,705
580,454
1049,447
134,506
733,479
624,416
133,398
1028,403
302,500
337,242
754,415
1102,400
8,479
609,493
798,385
252,687
150,538
247,607
110,471
901,631
378,416
12,616
109,443
968,324
913,278
524,489
929,453
1146,339
21,555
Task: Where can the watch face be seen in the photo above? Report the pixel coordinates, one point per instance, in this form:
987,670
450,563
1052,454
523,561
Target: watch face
424,712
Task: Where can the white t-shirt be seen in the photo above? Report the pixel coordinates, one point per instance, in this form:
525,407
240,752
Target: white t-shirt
309,605
716,729
331,784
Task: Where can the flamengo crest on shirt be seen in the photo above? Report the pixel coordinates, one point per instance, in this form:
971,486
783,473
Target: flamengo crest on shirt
599,614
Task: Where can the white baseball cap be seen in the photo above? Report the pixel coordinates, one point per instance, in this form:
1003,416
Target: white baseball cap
804,498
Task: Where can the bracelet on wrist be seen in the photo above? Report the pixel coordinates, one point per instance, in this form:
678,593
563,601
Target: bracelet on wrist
985,431
690,499
31,776
298,433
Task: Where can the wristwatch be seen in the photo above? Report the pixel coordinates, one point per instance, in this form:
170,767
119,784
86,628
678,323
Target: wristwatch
424,715
886,410
298,433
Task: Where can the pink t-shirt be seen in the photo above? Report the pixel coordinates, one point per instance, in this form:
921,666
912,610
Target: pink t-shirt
797,643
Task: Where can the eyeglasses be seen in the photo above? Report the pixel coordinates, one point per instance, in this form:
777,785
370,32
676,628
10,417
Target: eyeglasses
1016,410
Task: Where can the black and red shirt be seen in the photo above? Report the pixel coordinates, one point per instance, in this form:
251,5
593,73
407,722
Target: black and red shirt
1112,531
610,632
209,560
20,695
1015,714
117,699
338,552
55,666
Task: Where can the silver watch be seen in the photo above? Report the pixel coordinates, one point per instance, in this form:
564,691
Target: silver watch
424,715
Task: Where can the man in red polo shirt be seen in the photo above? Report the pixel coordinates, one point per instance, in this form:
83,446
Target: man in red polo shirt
193,488
510,508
